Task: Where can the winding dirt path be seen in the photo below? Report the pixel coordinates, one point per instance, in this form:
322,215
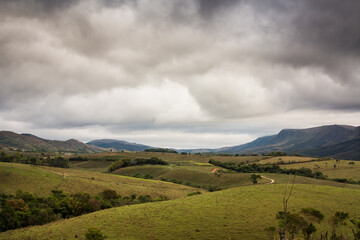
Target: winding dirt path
271,180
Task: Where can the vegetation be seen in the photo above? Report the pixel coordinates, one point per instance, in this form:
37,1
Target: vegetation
26,209
238,213
94,234
137,162
42,180
256,168
277,153
254,177
160,150
48,161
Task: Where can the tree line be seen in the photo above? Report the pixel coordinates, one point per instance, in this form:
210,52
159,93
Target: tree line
257,168
25,209
274,168
161,150
136,162
44,161
304,223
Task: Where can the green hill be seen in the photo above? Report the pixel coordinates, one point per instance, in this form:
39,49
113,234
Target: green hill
338,141
118,145
30,143
41,180
239,213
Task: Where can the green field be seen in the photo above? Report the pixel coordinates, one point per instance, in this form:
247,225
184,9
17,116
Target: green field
41,180
242,211
284,159
191,174
95,166
239,213
173,157
342,169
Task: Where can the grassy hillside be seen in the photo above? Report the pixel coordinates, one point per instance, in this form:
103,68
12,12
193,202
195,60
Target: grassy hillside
41,180
240,213
95,166
193,175
30,143
172,157
343,168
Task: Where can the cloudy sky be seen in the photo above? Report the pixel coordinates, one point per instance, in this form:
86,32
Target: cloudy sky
177,73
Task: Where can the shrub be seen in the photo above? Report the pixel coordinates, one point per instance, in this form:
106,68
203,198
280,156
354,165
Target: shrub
109,194
94,234
194,193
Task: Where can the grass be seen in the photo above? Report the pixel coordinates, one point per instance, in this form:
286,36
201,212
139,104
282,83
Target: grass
172,157
239,213
96,166
284,159
342,170
191,174
41,180
282,179
25,177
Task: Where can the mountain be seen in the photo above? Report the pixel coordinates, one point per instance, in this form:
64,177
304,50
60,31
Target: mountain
118,145
29,142
340,141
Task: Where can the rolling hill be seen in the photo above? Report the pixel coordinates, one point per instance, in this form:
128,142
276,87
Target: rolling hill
30,143
238,213
41,180
118,145
338,141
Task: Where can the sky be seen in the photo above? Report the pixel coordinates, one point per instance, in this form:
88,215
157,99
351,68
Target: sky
177,73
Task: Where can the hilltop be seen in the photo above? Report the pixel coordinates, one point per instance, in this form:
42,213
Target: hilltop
30,143
118,145
325,141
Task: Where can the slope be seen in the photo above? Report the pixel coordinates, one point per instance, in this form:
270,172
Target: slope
41,180
31,143
241,213
118,145
305,141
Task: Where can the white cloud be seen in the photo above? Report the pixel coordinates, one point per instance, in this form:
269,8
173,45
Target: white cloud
168,66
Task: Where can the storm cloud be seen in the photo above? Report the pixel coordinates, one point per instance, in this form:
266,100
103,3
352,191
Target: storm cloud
165,71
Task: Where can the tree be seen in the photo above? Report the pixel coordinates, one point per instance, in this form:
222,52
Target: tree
295,223
9,219
308,230
339,219
356,231
286,197
94,234
109,194
254,178
59,162
312,215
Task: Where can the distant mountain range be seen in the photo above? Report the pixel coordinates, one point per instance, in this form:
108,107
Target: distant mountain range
337,141
27,142
118,145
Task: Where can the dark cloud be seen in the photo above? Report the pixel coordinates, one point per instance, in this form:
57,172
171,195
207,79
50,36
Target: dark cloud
41,5
181,65
208,8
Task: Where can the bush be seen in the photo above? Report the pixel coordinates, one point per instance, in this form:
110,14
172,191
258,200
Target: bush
194,193
94,234
108,194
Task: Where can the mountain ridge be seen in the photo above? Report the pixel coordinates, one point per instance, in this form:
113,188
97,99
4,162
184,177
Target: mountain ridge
305,141
31,143
118,145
